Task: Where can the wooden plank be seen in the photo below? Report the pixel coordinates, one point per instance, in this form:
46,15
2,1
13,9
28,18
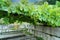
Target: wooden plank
50,30
11,35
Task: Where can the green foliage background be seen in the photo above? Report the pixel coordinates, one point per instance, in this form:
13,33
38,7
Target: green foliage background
26,12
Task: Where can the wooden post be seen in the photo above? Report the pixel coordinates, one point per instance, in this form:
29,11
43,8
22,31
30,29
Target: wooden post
34,30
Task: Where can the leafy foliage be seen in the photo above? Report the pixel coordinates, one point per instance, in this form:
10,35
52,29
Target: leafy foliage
26,12
51,1
58,3
39,38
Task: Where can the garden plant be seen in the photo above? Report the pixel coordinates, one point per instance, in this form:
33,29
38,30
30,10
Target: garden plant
27,12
